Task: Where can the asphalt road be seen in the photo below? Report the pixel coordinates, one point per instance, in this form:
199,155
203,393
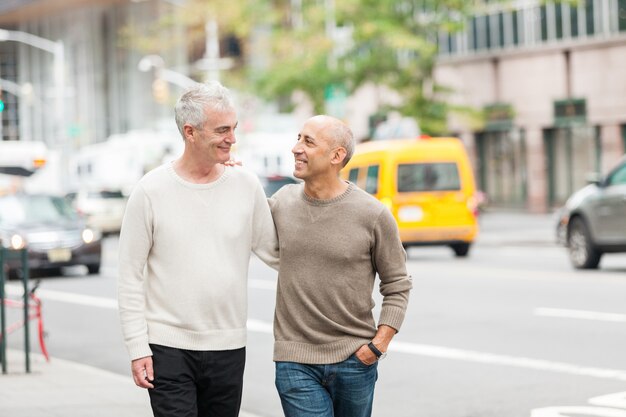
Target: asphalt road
511,331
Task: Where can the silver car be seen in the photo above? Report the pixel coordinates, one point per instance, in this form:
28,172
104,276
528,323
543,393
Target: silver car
593,221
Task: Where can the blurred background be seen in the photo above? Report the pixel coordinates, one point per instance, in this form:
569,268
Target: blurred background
534,91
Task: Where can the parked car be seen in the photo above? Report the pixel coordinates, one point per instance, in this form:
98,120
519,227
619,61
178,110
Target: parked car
273,183
52,232
593,220
104,209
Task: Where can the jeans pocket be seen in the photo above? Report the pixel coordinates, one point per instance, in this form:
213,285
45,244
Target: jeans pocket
358,361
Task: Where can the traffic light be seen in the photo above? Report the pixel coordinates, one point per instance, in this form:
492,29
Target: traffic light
1,102
160,90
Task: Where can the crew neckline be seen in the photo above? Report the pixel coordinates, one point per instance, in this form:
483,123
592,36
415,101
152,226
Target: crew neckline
318,202
204,186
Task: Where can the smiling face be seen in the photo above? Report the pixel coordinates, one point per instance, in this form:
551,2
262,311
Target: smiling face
316,154
214,140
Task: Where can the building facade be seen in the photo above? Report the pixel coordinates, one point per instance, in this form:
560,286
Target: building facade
550,80
104,92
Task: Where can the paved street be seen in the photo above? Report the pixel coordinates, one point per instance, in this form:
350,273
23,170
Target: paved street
511,331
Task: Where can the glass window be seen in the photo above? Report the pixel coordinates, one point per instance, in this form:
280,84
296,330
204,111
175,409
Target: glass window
440,176
573,19
353,175
452,43
371,181
544,23
501,30
516,36
618,177
35,209
589,16
488,30
473,41
622,15
558,17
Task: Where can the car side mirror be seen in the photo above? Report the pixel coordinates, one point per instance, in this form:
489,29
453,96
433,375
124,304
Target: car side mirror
594,178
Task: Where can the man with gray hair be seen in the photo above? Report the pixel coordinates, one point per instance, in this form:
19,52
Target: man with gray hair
334,239
184,251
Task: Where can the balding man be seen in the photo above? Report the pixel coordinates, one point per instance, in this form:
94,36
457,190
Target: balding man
334,238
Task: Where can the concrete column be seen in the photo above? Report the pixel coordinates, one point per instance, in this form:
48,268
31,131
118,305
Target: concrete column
611,139
537,171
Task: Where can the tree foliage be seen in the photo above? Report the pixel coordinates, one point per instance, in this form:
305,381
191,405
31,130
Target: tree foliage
392,43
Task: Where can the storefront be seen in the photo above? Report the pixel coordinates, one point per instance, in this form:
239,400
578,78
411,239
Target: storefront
573,150
501,151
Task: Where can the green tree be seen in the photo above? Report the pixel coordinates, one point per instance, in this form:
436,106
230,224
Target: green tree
392,44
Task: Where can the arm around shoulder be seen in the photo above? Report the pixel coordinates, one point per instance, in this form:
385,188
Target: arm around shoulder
264,236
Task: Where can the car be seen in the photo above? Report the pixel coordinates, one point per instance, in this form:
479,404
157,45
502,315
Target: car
428,185
593,220
273,183
52,232
103,208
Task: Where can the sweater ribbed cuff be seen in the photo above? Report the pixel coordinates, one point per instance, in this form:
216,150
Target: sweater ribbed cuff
392,317
138,348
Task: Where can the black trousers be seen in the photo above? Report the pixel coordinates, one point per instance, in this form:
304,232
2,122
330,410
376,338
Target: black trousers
191,383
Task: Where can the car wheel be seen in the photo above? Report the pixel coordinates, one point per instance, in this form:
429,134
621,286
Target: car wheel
93,269
582,253
460,249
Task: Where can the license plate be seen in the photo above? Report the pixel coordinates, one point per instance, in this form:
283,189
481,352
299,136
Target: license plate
59,255
410,214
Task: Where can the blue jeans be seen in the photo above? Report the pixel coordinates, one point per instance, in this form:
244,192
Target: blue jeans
344,389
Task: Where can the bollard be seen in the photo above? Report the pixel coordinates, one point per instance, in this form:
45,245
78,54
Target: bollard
25,277
23,255
3,326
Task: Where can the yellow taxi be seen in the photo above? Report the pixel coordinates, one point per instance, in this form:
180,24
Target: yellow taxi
428,185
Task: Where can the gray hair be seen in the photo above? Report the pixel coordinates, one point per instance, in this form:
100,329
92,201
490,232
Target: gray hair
342,136
191,106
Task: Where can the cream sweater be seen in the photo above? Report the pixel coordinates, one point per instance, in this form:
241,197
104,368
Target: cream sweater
184,252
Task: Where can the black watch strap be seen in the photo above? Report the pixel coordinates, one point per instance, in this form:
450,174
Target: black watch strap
374,349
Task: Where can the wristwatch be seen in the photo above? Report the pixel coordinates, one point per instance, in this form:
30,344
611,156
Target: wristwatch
379,355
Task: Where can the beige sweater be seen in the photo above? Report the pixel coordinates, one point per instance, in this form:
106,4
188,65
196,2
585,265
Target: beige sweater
183,260
330,252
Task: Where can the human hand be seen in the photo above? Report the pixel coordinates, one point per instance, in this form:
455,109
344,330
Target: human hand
365,355
143,374
232,163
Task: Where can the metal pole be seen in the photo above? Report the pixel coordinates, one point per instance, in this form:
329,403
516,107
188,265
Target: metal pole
3,324
61,129
212,52
24,256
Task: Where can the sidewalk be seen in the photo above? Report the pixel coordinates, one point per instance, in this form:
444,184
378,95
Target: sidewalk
65,389
61,388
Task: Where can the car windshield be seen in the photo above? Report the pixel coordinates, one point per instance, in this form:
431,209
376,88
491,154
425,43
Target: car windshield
105,194
35,209
440,176
273,184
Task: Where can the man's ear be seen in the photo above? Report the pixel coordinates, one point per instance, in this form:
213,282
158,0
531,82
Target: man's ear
188,131
338,155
